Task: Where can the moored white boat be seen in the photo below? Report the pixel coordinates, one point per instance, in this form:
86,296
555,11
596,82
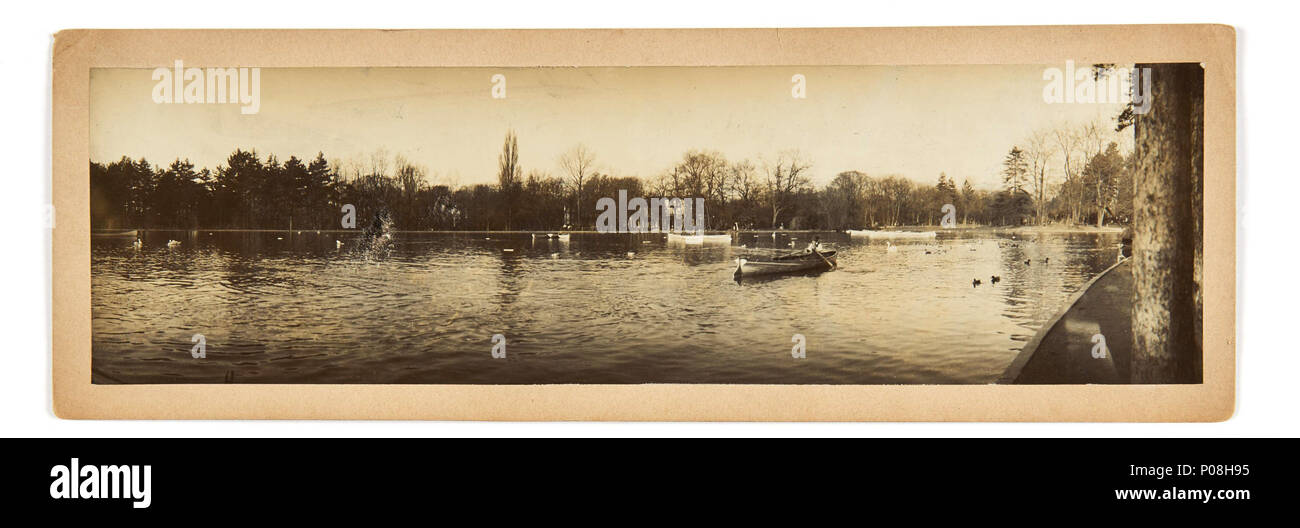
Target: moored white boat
127,233
699,239
892,234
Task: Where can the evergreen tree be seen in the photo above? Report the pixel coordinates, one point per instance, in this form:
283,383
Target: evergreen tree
1015,171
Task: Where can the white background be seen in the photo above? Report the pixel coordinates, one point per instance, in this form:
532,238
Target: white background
1267,188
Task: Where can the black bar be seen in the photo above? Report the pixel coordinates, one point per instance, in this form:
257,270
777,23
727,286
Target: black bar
440,480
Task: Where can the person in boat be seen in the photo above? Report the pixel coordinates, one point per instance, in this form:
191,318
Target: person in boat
814,246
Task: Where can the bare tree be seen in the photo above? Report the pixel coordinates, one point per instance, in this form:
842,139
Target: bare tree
410,179
578,165
783,178
843,200
744,184
701,173
1093,138
1102,176
896,190
350,170
1039,154
378,165
1069,143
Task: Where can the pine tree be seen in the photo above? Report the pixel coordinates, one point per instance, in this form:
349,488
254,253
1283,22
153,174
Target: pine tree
1015,170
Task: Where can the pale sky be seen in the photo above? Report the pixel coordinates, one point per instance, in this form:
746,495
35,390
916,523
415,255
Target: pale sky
916,121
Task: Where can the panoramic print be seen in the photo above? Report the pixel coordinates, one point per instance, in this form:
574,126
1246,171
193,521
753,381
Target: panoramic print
860,225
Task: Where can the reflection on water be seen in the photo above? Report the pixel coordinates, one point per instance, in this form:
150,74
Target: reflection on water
280,307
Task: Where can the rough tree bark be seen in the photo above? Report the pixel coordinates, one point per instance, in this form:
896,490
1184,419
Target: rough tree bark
1167,208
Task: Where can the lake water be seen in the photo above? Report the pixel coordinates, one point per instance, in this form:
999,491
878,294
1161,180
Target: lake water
280,307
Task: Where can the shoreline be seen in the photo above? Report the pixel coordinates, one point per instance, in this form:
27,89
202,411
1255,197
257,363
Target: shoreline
1062,229
1063,350
975,228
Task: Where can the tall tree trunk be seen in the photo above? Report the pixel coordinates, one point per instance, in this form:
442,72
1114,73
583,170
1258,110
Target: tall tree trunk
1101,206
1038,199
1167,228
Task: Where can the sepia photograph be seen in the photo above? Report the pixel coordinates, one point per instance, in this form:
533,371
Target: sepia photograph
929,224
280,263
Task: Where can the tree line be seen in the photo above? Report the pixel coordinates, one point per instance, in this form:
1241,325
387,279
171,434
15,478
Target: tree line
1064,175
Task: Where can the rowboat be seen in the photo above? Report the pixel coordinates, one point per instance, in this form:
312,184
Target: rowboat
892,234
699,239
796,263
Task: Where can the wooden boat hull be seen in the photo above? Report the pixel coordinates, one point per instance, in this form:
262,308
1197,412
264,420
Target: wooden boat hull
784,265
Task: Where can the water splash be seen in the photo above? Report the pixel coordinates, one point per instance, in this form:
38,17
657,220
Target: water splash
376,240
